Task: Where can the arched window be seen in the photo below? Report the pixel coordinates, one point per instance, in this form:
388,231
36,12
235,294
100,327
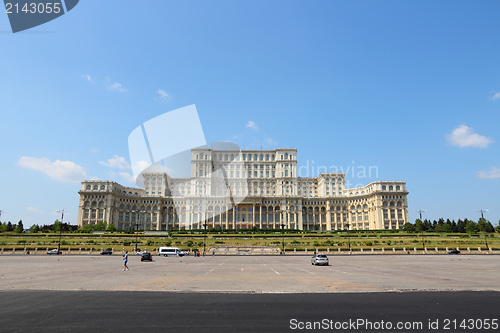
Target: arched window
88,187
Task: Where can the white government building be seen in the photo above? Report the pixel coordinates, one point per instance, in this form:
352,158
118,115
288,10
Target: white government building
244,189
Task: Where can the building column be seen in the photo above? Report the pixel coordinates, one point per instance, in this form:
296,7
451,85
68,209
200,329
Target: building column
328,220
300,225
234,218
253,215
260,217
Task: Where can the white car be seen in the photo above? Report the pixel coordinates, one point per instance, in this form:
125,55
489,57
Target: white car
319,259
54,251
140,253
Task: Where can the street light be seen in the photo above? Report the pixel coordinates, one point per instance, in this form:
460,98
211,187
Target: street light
283,241
283,225
204,238
482,211
348,235
60,229
422,226
137,229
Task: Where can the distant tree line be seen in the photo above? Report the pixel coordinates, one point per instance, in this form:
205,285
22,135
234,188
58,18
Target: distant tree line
8,226
461,226
56,226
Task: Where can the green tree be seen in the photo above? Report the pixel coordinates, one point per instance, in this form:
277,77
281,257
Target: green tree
408,227
100,226
19,228
87,228
35,228
56,226
470,227
497,228
3,227
419,226
485,225
112,228
9,226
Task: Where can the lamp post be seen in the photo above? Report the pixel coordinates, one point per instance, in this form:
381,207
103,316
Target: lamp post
348,235
420,211
137,230
60,229
283,241
482,211
283,225
204,238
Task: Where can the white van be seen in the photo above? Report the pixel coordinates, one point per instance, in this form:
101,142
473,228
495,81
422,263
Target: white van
169,251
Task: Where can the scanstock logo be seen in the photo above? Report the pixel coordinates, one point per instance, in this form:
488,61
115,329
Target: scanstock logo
26,14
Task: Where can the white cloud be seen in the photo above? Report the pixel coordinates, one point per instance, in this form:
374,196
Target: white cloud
63,171
163,96
252,125
270,142
116,162
33,209
489,174
495,96
127,177
463,136
115,86
87,77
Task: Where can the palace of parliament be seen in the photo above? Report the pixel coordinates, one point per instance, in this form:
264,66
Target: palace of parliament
244,189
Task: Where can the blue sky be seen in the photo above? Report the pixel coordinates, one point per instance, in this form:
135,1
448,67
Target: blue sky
409,87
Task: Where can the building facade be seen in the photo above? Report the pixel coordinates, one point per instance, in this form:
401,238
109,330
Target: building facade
244,189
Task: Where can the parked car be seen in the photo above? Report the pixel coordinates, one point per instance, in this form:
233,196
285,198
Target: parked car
454,251
54,251
107,252
140,253
146,256
319,259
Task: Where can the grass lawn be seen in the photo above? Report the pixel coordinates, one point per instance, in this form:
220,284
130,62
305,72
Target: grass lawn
294,240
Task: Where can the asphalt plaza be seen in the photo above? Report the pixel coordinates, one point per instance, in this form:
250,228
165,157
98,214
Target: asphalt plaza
252,274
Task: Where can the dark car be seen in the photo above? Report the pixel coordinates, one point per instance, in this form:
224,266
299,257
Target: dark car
146,256
454,251
107,252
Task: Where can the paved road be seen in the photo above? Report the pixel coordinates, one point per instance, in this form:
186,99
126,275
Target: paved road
98,311
258,274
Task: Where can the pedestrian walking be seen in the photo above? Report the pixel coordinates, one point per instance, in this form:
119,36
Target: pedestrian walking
213,253
125,259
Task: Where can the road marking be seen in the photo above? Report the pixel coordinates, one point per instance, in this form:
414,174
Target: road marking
209,271
307,271
274,271
242,269
221,264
